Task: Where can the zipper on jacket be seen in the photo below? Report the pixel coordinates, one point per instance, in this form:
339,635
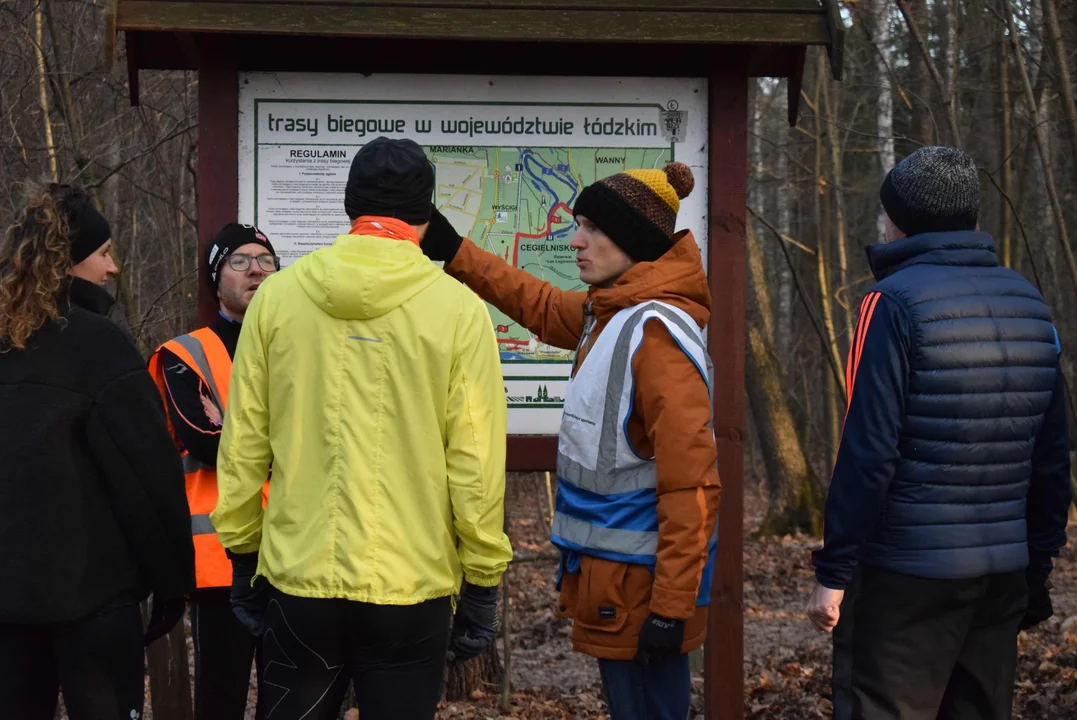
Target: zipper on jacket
589,321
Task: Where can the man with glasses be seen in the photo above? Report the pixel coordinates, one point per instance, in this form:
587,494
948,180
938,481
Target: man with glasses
192,372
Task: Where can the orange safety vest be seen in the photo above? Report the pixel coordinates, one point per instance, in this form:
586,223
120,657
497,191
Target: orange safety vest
204,353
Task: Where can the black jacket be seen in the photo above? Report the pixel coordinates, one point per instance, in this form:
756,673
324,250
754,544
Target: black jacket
92,502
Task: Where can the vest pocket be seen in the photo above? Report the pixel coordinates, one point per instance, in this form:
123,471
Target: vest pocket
600,603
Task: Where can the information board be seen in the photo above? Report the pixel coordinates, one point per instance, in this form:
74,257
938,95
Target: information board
510,155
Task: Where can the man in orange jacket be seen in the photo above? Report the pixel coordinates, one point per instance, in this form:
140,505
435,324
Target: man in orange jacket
193,373
638,487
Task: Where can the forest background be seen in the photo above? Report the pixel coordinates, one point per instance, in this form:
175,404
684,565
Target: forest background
994,77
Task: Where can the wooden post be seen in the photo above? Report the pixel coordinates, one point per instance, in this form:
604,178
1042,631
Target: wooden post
170,675
218,158
728,161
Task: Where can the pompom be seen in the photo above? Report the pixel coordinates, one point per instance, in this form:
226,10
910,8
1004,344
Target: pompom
680,177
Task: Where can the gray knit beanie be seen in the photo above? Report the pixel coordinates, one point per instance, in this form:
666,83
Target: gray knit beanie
936,189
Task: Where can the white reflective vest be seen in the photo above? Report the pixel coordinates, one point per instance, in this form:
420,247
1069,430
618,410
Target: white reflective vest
607,504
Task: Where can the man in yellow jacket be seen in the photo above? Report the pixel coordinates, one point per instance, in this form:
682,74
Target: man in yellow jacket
371,382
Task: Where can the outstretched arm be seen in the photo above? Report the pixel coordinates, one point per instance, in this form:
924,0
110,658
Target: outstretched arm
554,315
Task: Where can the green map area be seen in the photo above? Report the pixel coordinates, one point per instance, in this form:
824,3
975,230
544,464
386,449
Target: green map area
516,202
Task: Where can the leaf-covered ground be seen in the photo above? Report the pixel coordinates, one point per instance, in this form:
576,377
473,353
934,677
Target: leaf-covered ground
787,663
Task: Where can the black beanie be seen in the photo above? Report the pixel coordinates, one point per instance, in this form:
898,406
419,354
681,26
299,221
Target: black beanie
390,178
88,229
232,237
935,189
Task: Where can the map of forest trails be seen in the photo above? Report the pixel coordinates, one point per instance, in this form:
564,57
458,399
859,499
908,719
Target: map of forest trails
517,203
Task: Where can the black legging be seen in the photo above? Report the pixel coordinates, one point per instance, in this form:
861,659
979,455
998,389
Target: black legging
394,656
97,662
223,650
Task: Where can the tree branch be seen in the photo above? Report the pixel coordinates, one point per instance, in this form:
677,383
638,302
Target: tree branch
816,323
921,43
137,156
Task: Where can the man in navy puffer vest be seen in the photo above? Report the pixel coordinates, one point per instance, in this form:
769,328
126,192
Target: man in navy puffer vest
952,483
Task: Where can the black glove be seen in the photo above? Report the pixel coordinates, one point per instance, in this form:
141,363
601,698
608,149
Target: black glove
660,639
441,240
473,628
1039,599
248,601
164,616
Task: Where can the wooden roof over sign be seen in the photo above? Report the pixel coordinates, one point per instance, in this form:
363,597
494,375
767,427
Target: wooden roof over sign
802,22
768,37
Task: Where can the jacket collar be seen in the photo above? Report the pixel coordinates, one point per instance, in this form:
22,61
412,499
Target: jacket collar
676,278
969,248
89,296
227,330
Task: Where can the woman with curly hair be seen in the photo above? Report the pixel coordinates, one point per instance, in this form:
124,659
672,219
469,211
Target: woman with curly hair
93,515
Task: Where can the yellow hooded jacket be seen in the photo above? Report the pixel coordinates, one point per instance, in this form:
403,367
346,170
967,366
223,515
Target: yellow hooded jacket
370,381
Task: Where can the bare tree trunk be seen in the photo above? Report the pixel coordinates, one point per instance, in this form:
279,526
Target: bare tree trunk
74,124
953,51
43,78
795,499
1065,83
783,326
833,108
1007,148
885,114
1042,144
822,229
940,84
923,122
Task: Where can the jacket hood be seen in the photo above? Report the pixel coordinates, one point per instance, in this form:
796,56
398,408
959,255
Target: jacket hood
676,278
969,248
362,277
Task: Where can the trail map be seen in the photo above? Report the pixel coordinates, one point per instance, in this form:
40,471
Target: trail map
517,203
510,157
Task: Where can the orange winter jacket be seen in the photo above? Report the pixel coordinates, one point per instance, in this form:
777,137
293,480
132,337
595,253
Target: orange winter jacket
670,421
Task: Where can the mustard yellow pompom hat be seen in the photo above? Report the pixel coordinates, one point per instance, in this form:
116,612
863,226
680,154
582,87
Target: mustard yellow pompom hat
638,209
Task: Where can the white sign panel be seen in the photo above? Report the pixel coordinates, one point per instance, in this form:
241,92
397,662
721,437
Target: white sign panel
511,156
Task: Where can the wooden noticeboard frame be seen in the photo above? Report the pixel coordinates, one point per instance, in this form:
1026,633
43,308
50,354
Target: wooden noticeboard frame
725,41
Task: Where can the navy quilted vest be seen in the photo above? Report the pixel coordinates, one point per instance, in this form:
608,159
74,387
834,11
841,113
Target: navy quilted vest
983,357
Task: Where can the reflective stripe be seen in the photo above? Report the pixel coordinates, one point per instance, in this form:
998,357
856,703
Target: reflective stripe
690,330
200,525
694,334
624,480
611,422
191,465
582,534
194,347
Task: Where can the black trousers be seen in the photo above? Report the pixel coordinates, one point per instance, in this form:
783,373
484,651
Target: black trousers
909,648
97,662
223,651
394,656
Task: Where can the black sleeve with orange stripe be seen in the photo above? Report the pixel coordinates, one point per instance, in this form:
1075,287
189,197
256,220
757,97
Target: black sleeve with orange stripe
184,391
877,379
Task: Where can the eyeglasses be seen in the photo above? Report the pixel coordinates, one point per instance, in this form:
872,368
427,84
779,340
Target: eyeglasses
241,263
